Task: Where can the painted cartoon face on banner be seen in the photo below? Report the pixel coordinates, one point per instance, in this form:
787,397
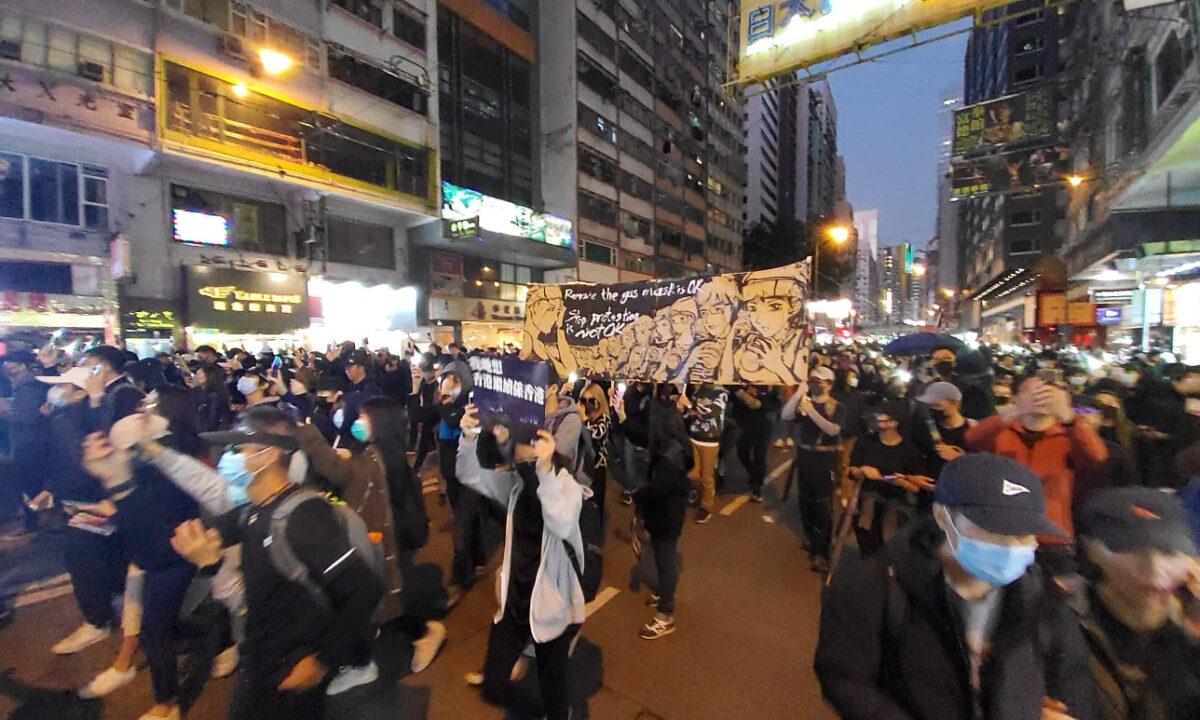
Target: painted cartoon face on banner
738,328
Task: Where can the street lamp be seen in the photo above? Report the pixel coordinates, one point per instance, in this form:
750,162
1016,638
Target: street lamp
837,235
918,270
1075,180
274,62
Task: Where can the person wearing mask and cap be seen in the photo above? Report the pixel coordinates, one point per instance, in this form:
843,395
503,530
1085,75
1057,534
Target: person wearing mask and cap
953,619
362,387
976,403
256,388
1141,616
28,440
422,411
818,420
941,431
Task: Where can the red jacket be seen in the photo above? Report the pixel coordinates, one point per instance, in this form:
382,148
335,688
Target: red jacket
1055,456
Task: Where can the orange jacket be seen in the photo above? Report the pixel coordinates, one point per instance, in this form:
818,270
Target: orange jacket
1055,456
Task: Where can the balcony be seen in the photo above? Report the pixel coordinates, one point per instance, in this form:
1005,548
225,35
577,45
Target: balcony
204,113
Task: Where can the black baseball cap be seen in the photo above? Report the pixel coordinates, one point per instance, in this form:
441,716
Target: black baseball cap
1136,518
252,427
997,494
360,357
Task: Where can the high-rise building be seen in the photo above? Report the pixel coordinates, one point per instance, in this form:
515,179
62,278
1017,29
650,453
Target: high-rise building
866,300
642,143
200,171
1005,236
896,264
771,137
946,261
817,183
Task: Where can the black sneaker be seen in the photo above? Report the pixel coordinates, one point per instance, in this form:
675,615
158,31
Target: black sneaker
756,496
703,516
657,628
626,497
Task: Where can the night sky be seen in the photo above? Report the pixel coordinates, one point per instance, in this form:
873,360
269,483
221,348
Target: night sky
889,134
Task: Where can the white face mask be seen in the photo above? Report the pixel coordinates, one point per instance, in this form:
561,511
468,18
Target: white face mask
852,382
247,385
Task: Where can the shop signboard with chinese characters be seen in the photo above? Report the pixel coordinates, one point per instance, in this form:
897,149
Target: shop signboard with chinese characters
1051,309
57,99
779,36
456,309
246,301
149,318
1081,314
465,212
1014,119
1008,172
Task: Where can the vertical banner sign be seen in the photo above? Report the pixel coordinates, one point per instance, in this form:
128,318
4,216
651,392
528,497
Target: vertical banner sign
729,329
506,387
779,36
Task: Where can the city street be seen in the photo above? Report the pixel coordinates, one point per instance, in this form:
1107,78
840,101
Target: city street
748,609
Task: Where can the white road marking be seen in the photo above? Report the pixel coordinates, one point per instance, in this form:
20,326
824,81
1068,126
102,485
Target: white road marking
55,581
779,471
607,593
733,506
49,593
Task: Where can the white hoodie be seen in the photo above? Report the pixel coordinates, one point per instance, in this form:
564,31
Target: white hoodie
557,599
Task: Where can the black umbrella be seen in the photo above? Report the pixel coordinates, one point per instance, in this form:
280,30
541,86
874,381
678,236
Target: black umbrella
923,343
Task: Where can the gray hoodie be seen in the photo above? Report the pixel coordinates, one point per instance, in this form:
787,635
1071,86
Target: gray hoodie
566,424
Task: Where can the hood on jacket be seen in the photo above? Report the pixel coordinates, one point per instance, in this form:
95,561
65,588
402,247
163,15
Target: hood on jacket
462,372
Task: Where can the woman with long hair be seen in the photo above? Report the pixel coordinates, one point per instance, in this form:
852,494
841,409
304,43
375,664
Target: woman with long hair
178,407
214,410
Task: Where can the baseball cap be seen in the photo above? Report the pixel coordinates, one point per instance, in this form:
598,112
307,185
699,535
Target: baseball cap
940,392
996,493
134,428
77,376
360,357
249,429
822,373
1136,518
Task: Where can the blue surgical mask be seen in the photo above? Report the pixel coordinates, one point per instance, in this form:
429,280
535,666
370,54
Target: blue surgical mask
339,417
996,565
359,431
232,467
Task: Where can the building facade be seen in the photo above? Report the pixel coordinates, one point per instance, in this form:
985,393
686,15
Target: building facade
642,144
771,136
214,172
866,276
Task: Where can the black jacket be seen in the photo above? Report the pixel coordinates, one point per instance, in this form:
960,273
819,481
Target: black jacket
891,645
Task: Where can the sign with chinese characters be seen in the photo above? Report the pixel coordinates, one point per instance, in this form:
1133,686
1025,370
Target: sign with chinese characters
1081,314
461,206
510,391
1008,172
1014,119
480,309
463,229
1051,309
741,328
243,301
52,99
148,318
779,36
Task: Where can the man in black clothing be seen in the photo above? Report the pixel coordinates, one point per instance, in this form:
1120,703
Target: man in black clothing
754,407
952,619
894,482
110,394
28,431
362,388
1136,544
294,644
939,428
977,402
634,414
819,420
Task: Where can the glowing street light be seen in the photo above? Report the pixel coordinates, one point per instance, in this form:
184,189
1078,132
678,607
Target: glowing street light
1075,180
240,90
918,270
274,62
947,293
838,234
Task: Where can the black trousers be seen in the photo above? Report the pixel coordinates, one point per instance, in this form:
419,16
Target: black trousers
424,444
815,471
162,598
252,702
507,641
97,566
752,447
667,563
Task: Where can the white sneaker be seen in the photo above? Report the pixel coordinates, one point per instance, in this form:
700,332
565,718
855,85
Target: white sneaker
474,679
426,649
84,636
351,677
225,663
107,682
173,715
778,443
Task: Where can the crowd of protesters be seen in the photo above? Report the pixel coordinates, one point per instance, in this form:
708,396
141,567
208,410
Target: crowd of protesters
1003,533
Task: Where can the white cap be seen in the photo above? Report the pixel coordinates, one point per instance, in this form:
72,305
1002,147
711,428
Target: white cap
822,373
133,429
77,376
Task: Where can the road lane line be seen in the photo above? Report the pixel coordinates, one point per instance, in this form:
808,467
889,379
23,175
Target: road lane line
779,471
39,596
607,593
734,505
48,582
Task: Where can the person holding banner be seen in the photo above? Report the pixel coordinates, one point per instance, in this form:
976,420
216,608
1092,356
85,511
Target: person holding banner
819,420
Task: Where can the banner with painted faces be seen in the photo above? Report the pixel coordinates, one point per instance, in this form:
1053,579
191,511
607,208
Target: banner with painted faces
728,329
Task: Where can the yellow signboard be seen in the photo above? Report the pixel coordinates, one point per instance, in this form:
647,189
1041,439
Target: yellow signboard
779,36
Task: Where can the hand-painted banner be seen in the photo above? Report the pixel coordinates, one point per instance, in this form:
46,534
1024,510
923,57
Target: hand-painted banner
516,389
729,329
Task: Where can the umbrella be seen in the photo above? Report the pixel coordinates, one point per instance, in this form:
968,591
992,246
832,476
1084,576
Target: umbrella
923,343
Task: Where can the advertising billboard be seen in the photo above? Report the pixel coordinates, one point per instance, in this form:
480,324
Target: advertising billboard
246,301
779,36
1022,118
1009,171
467,211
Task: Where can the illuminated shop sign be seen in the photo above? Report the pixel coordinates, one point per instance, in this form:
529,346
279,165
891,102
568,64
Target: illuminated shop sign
200,228
461,206
779,36
244,301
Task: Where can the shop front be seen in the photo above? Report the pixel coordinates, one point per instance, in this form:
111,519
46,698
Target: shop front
150,326
252,310
379,316
481,322
1181,310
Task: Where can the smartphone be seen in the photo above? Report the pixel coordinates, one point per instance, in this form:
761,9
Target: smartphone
934,432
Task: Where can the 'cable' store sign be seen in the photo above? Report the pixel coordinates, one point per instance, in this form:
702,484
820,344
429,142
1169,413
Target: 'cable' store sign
779,36
245,301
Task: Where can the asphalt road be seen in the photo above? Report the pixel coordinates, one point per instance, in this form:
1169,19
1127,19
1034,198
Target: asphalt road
747,617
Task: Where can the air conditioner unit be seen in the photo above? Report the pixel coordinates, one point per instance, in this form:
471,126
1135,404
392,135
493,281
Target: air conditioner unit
90,71
231,45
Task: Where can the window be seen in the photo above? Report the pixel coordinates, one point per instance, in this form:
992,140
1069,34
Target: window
51,191
81,54
1029,19
633,185
631,64
377,81
636,110
252,225
361,243
598,253
635,226
596,36
408,24
597,124
1025,217
369,10
1169,66
638,149
1028,74
594,77
594,207
597,165
1030,45
1016,246
637,263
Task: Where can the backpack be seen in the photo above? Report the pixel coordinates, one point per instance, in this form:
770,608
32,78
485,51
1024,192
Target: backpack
284,559
592,530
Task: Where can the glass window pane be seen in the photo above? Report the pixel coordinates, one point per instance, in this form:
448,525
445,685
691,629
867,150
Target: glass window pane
33,48
95,50
12,186
95,216
53,191
62,49
95,190
507,272
523,275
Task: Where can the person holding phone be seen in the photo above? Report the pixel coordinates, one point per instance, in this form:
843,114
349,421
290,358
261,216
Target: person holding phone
894,484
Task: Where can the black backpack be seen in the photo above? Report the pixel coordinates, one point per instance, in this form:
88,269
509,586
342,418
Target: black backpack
592,530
